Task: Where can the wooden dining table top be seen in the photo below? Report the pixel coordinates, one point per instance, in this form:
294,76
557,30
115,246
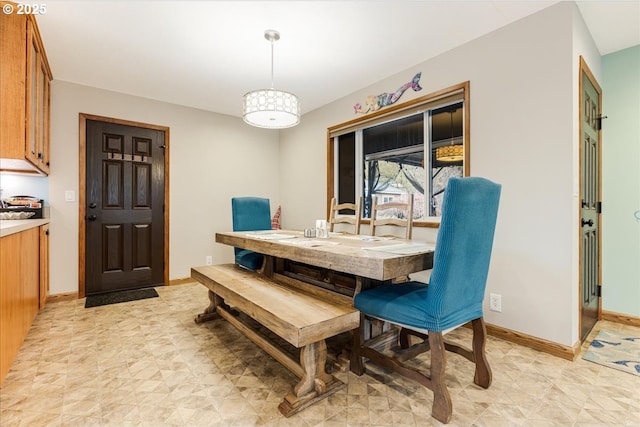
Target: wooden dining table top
377,258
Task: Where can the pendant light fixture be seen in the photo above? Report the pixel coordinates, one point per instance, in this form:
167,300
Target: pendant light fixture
452,152
271,108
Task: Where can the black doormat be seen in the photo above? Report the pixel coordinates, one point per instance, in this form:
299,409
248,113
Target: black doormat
121,296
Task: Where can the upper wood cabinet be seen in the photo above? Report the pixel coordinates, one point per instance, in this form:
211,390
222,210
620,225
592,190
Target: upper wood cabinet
24,95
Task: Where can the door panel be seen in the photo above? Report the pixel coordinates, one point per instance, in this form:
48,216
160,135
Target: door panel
590,201
124,214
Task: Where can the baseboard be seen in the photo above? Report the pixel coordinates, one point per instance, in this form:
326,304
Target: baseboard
62,297
549,347
624,319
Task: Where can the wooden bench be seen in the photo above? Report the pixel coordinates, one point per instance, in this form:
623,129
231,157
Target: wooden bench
299,313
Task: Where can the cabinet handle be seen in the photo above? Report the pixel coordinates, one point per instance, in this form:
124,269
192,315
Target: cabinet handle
40,156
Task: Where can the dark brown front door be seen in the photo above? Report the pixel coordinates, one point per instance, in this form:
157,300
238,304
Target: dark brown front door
124,196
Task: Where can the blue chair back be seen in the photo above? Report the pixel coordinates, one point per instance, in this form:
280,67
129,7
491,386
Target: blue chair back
250,214
463,250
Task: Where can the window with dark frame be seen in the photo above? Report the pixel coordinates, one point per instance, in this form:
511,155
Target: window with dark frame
387,159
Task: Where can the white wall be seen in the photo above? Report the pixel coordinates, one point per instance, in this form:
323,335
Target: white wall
213,157
13,184
621,182
523,101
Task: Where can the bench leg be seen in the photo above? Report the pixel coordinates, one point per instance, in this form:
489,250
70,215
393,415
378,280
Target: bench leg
209,313
315,385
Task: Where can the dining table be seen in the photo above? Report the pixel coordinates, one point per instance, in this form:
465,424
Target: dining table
342,263
368,259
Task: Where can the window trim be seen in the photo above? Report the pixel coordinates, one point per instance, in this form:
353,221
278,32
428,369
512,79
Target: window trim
459,91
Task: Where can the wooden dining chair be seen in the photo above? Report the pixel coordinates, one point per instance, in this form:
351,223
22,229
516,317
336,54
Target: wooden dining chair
250,214
453,297
336,218
403,220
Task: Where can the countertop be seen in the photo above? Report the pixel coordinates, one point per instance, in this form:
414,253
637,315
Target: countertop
11,226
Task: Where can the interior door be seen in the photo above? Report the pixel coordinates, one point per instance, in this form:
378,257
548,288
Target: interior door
124,218
590,135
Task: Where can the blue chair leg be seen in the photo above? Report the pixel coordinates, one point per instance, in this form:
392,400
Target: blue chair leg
483,373
442,408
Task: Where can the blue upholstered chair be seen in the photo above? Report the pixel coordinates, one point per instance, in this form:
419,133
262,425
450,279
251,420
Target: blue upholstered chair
250,214
453,296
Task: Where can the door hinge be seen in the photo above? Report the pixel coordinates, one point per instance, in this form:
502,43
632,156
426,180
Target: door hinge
599,291
599,207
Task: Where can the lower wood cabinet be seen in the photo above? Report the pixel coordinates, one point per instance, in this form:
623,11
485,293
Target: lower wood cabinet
24,271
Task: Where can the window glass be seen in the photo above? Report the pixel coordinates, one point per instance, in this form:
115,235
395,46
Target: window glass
393,160
446,130
394,163
347,168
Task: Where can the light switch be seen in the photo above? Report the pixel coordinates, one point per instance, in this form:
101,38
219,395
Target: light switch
69,196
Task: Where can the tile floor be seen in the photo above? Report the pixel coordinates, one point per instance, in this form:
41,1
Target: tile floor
146,363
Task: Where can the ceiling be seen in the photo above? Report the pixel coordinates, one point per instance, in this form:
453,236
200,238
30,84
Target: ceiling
207,54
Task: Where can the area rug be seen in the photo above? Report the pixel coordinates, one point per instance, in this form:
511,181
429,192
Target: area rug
118,297
616,350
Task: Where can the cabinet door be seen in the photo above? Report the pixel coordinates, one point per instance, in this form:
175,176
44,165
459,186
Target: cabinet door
42,127
19,284
37,124
44,265
33,48
13,63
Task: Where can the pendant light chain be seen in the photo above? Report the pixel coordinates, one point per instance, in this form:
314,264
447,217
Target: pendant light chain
272,83
272,36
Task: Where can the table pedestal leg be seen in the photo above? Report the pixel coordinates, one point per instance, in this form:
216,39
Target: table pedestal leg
315,385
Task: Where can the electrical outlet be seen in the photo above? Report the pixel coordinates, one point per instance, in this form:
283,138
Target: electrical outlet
495,302
209,260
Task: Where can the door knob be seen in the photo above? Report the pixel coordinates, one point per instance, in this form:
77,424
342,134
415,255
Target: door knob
92,205
589,223
92,217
